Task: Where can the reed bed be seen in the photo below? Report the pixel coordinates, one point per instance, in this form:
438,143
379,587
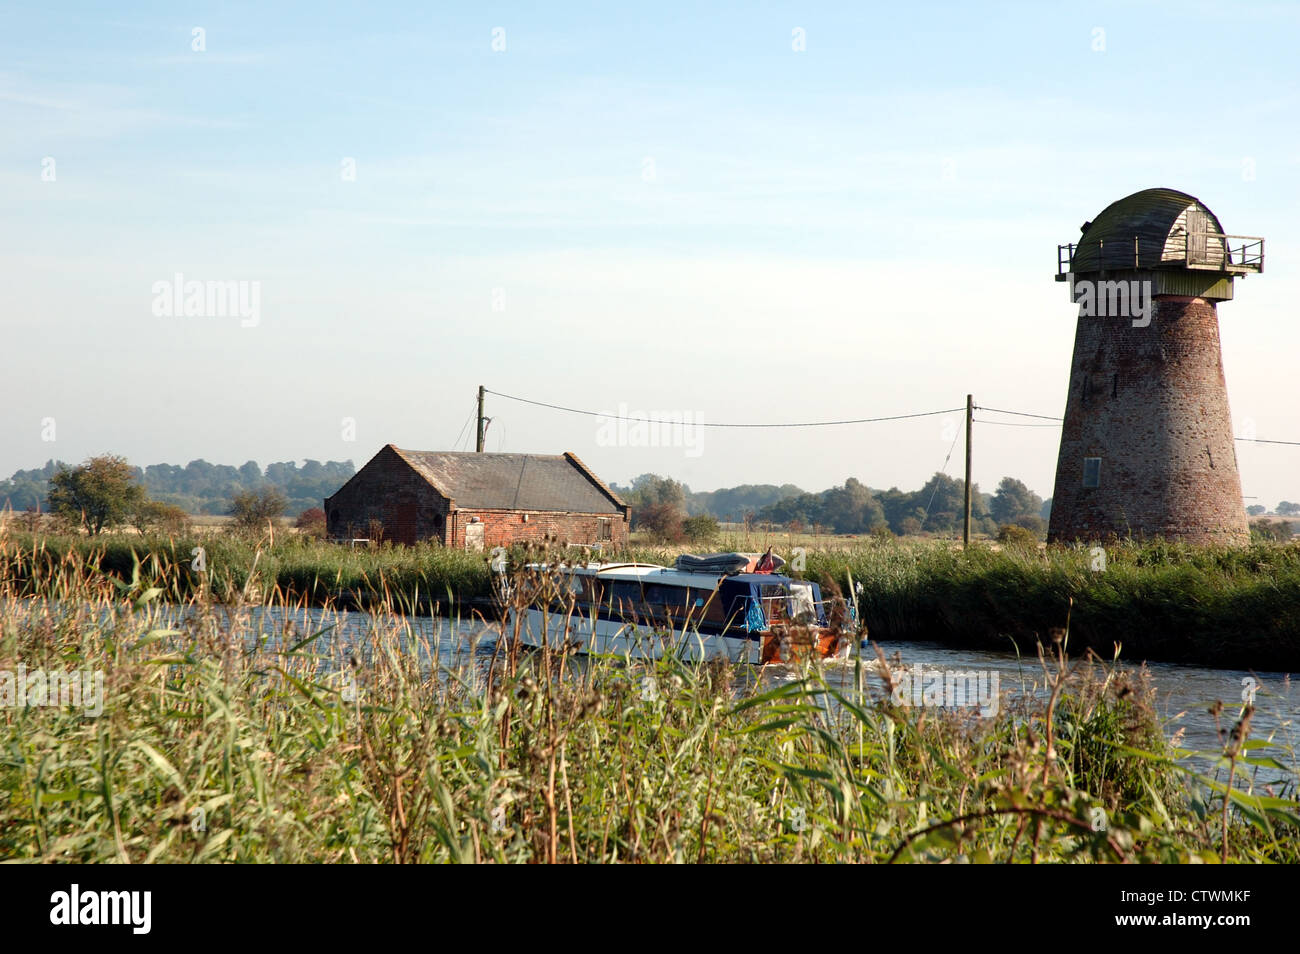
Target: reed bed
1233,607
221,740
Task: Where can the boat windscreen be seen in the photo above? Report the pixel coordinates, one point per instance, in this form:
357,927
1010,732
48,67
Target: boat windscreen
803,607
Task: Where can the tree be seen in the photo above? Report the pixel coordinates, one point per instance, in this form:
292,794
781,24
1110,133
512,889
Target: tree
99,494
1033,523
653,489
662,521
851,508
254,509
1013,501
1287,509
941,502
1256,510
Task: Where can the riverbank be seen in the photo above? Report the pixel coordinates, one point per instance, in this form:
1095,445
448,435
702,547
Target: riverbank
220,741
1227,607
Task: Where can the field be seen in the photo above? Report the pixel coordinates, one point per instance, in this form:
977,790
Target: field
219,741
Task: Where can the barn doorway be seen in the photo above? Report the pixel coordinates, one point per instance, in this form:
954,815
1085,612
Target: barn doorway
474,536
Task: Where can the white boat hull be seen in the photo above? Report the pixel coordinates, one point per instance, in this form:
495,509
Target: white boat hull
611,637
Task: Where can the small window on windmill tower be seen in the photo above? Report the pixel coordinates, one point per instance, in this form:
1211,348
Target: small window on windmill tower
1092,472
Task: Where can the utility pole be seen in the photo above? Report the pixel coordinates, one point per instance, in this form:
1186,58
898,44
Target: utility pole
478,443
970,414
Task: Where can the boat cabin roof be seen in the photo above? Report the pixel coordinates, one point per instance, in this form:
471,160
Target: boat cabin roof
670,576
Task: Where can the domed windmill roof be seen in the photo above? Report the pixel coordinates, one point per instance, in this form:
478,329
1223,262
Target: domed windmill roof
1144,230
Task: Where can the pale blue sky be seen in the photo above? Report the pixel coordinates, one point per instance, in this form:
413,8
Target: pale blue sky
677,211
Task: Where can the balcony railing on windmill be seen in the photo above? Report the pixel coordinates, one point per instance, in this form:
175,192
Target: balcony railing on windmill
1239,254
1215,251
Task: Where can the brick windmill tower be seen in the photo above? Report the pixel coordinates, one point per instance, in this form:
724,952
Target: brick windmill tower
1147,447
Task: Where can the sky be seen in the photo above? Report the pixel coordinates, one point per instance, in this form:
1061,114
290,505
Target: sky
718,213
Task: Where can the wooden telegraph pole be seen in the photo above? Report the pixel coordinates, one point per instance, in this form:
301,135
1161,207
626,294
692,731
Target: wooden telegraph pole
478,443
965,530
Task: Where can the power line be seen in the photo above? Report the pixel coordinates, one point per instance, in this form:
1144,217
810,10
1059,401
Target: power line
1045,417
1013,423
651,420
1249,440
943,470
463,430
861,420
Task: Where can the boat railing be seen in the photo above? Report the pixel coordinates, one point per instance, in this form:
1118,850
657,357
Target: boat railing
823,606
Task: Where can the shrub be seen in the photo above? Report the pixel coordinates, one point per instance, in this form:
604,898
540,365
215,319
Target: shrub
156,516
1276,531
700,529
662,521
311,522
1015,537
254,509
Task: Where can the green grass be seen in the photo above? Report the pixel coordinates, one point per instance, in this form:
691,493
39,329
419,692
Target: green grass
220,742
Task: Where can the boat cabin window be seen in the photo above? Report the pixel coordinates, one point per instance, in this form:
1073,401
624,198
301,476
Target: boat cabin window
671,602
624,596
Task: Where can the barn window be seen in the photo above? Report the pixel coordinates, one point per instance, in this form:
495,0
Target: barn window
1092,472
604,531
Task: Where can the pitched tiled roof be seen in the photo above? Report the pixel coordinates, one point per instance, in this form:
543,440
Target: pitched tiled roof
514,481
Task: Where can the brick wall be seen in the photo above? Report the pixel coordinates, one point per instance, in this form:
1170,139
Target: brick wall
1153,405
502,528
388,490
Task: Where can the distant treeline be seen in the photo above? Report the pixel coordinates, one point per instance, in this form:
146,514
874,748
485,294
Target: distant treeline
935,507
199,487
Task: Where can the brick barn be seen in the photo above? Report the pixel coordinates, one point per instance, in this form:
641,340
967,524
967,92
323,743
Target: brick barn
477,500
